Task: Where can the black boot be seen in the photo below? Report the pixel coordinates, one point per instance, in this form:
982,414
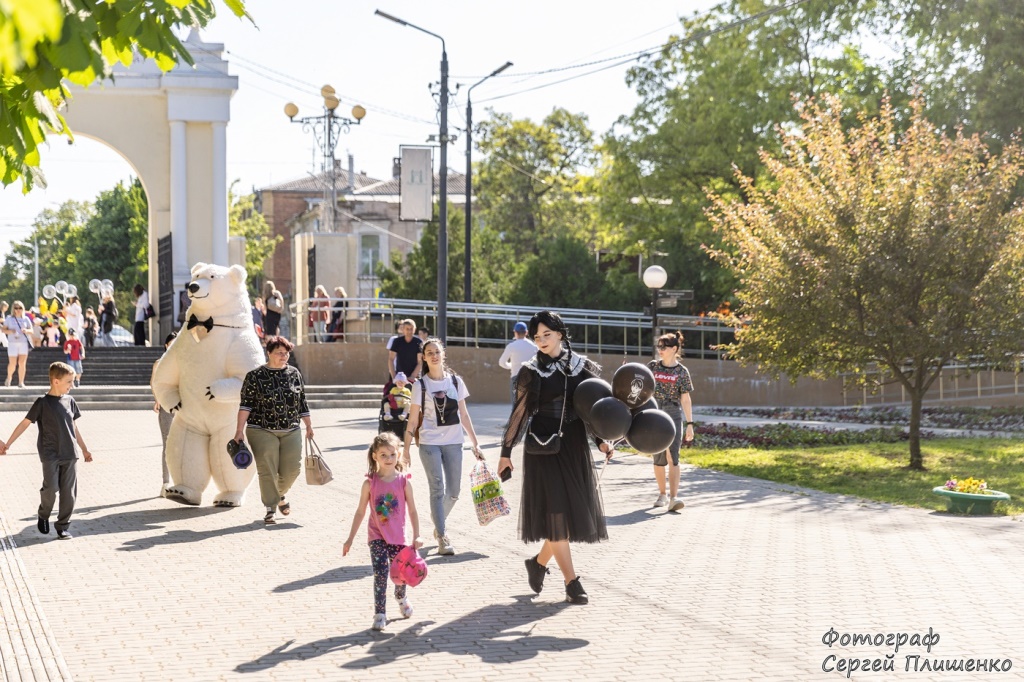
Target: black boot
575,594
536,574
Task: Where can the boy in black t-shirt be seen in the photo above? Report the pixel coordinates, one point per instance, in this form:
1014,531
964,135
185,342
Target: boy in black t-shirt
54,415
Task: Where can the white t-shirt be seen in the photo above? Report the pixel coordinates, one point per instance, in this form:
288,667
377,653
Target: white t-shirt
430,432
516,353
73,314
141,305
15,324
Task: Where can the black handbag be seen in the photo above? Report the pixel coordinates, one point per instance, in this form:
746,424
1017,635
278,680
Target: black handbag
552,445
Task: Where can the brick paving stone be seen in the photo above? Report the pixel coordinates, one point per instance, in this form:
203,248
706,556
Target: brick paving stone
740,585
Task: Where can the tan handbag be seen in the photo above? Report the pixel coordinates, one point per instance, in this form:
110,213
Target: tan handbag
317,471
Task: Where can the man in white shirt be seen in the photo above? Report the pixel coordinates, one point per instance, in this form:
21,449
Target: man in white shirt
520,350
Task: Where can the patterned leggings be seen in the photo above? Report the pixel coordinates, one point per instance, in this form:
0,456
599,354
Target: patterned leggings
381,556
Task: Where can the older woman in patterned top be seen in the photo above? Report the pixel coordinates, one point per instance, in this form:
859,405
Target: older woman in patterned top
273,401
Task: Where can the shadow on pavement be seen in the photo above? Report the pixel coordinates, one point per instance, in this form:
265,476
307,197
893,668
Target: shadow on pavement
101,507
127,522
638,516
459,558
344,574
180,537
499,633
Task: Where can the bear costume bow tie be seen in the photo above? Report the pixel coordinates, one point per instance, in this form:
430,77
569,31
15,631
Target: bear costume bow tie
193,321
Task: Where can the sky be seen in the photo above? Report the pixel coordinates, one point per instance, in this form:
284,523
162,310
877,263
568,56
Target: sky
297,46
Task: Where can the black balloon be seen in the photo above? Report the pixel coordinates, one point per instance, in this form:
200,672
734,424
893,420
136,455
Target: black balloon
633,384
587,393
651,404
610,418
652,432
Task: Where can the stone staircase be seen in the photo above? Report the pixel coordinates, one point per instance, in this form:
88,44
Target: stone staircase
118,379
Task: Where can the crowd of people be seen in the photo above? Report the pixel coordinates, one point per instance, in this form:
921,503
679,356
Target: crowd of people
67,326
560,500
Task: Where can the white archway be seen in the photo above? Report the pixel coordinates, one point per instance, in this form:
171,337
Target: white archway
172,129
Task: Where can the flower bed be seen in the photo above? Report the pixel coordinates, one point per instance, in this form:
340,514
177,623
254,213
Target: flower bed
723,436
967,418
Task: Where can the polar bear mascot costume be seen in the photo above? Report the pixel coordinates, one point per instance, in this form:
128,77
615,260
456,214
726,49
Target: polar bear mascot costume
200,379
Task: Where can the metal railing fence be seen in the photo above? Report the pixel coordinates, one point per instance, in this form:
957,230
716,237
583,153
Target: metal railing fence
482,325
974,380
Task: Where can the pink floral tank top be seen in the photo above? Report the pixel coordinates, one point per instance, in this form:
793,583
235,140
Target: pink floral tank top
387,509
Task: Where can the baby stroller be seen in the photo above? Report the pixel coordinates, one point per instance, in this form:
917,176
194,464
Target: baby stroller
394,406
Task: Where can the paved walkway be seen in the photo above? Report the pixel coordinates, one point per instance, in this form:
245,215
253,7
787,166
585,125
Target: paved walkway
741,585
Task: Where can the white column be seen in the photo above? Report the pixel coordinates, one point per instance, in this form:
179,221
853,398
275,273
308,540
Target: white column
179,209
220,193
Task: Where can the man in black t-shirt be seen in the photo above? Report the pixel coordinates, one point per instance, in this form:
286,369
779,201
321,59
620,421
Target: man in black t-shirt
54,416
405,353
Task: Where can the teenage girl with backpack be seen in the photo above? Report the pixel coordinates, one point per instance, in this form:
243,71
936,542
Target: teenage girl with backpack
439,414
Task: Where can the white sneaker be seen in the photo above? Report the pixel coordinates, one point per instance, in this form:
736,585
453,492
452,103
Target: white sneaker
405,607
676,504
379,621
661,501
444,546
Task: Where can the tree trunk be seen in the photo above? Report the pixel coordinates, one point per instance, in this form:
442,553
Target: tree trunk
916,398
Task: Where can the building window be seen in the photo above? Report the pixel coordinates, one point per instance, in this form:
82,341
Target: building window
369,254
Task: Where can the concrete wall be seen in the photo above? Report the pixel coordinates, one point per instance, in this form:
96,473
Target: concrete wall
716,382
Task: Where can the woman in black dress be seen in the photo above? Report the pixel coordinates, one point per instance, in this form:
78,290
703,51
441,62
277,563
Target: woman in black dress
560,502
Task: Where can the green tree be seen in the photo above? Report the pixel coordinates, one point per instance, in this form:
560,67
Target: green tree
52,229
708,101
82,241
45,42
114,245
967,57
544,281
415,275
869,245
531,184
243,221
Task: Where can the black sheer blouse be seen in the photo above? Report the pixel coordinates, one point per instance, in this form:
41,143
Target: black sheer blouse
541,390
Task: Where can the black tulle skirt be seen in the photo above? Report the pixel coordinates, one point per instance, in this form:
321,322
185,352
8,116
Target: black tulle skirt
560,498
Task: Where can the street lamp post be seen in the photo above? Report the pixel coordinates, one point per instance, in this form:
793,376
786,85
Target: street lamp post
442,232
655,278
327,128
35,292
469,182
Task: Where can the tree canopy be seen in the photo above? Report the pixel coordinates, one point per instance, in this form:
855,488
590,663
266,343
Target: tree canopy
871,245
82,241
244,221
46,43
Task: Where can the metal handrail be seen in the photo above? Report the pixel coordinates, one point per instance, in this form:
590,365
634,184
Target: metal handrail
490,325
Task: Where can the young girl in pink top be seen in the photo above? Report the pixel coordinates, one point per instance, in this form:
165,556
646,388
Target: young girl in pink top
388,492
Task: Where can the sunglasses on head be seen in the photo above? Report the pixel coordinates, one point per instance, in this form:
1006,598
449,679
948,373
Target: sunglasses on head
663,346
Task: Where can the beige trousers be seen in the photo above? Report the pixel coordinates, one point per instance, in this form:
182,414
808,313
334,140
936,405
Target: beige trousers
278,461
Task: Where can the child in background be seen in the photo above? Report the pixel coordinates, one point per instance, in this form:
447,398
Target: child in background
399,398
76,353
52,331
389,494
54,415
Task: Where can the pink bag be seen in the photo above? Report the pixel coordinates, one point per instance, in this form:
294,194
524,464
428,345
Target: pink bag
408,567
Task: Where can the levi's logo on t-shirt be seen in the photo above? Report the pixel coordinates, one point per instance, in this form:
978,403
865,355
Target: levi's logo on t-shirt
665,377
